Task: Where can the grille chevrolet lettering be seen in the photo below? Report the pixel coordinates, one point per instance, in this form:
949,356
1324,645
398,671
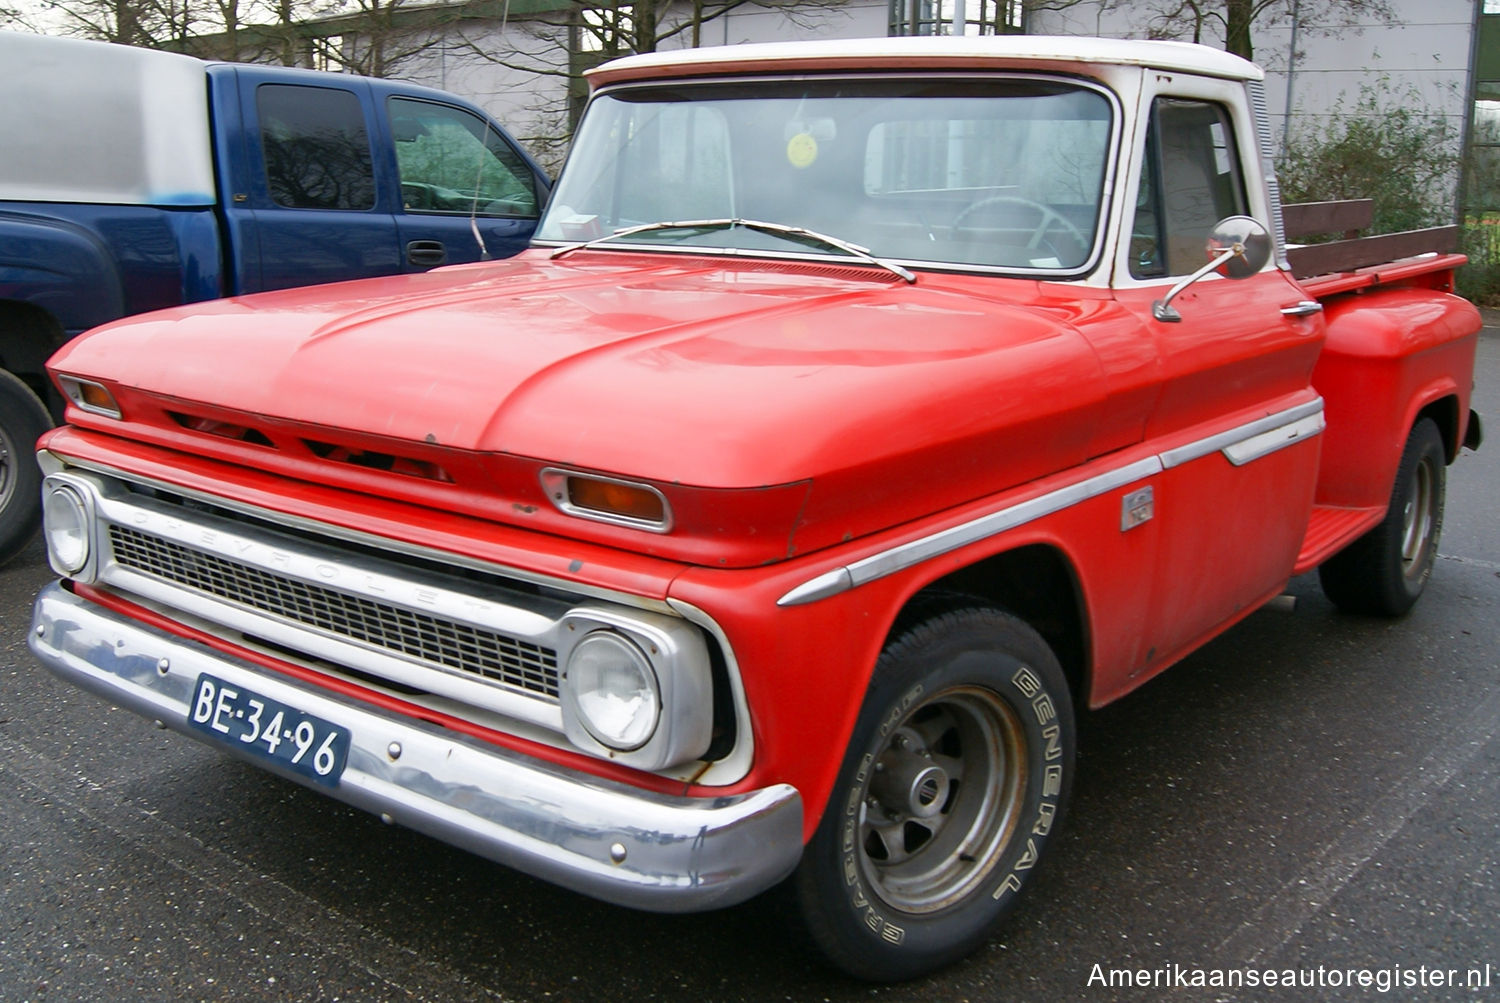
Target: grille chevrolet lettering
420,636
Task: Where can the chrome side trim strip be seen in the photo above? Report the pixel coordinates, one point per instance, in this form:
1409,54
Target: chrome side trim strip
1267,443
622,844
911,554
825,585
1216,443
1239,445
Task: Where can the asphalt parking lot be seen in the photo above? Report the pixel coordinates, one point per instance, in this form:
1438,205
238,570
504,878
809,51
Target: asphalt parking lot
1310,793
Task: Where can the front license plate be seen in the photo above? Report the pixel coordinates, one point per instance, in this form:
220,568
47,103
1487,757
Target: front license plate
269,729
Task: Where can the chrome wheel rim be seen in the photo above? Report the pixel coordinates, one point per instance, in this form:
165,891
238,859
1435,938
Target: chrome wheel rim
1417,519
941,799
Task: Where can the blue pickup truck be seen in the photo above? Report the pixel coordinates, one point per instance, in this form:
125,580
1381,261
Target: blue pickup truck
132,180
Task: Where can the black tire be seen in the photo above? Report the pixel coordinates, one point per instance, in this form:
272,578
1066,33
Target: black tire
956,777
23,418
1384,572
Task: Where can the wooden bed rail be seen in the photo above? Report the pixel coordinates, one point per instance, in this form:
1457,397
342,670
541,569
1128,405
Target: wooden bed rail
1305,219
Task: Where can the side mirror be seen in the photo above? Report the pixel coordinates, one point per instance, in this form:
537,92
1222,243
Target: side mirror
1238,247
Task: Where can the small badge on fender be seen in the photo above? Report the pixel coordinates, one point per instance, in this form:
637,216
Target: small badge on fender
1136,508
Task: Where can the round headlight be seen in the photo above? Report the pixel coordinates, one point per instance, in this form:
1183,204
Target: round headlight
67,529
613,690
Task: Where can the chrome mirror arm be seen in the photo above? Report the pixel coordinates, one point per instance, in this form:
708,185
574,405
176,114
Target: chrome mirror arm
1239,244
1163,310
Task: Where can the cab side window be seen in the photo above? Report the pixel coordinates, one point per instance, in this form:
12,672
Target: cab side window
316,148
451,161
1191,180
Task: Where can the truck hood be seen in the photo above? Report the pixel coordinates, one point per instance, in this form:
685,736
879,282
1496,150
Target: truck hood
680,371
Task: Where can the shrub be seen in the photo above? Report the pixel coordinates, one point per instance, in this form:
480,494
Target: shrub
1389,148
1393,149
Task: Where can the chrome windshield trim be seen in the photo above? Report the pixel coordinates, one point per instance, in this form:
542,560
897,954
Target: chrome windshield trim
1239,445
1091,265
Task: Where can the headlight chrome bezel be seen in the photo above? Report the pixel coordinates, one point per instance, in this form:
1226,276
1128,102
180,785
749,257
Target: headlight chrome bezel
673,653
68,508
620,657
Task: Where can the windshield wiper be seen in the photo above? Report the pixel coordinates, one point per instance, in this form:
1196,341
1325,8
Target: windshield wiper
794,233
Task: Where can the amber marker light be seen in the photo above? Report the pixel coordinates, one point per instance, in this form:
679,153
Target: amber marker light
605,499
89,396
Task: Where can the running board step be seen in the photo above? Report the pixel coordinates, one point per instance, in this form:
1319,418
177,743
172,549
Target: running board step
1331,529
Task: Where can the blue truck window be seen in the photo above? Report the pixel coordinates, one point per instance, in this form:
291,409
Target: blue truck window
452,161
316,147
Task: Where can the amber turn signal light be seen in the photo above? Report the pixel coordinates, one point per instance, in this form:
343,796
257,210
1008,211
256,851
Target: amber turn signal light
606,499
89,396
616,499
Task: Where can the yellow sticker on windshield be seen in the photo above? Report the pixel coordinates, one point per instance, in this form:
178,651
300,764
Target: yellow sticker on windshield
801,150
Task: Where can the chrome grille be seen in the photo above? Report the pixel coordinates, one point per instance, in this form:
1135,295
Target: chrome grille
418,636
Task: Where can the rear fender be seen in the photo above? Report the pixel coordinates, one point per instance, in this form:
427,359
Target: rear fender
59,267
1391,355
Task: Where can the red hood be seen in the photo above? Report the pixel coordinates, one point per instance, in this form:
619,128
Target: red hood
677,370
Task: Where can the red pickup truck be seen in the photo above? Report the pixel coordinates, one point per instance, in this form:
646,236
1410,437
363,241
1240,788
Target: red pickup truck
859,412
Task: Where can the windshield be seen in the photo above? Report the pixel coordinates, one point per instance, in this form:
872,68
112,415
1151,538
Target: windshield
1005,174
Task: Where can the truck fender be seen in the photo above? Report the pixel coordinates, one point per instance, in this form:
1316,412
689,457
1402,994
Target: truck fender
59,267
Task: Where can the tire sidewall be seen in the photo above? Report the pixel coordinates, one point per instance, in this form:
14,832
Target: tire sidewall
23,419
1368,576
978,647
1425,445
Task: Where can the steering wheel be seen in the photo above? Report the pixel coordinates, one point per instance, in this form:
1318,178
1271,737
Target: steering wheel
1050,219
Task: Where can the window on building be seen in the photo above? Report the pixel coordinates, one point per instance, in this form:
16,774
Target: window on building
1483,169
956,17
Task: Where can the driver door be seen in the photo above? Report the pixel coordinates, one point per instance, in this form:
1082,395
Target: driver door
1229,523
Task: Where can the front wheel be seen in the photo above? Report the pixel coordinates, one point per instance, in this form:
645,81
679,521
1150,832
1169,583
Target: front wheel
1384,572
957,774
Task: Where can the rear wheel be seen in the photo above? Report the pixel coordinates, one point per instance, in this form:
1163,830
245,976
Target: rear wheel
956,776
1384,572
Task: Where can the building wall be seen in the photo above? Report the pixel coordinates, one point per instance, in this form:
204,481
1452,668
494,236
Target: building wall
1419,59
533,106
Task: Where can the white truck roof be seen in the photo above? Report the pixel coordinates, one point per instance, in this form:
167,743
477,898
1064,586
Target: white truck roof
928,53
94,122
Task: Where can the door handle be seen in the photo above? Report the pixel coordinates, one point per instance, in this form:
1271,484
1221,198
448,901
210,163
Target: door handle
1306,308
426,253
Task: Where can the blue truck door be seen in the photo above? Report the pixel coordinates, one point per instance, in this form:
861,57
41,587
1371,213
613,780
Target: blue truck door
467,193
313,189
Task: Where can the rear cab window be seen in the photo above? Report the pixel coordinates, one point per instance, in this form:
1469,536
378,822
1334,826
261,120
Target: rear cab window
316,146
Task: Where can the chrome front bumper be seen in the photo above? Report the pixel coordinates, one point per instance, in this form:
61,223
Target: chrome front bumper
608,840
